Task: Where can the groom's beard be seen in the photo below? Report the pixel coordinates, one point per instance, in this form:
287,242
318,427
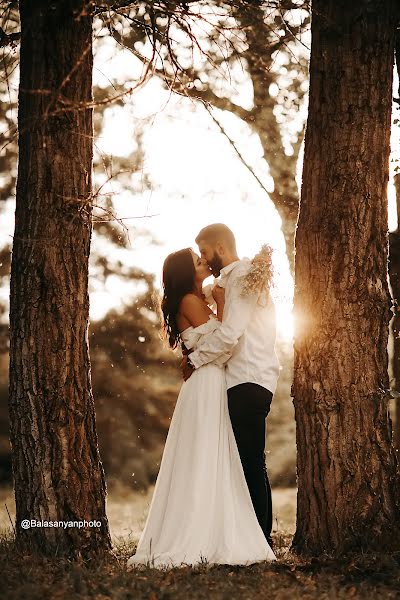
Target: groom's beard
216,265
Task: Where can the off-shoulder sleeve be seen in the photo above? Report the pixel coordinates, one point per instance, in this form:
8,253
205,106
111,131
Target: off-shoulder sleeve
192,337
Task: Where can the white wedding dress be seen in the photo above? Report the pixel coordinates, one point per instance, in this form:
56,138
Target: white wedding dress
201,508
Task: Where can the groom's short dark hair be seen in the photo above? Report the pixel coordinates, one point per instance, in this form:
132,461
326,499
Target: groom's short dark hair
217,232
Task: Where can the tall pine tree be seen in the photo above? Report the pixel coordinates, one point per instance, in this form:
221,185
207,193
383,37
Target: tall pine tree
57,470
347,481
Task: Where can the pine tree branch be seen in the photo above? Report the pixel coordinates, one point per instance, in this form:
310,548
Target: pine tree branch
207,96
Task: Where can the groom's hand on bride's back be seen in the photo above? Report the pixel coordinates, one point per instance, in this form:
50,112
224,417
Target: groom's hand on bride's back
186,367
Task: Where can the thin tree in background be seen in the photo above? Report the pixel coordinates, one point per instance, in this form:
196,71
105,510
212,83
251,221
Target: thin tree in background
57,470
247,36
347,480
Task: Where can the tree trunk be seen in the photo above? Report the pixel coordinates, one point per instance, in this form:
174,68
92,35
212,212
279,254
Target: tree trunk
394,271
58,475
282,167
346,466
262,119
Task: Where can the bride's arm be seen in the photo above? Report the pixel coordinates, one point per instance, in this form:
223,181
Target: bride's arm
207,291
220,310
219,297
197,313
237,314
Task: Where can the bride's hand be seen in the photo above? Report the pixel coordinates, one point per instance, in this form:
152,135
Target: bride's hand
186,368
218,293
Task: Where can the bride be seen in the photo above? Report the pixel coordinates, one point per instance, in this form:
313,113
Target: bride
201,508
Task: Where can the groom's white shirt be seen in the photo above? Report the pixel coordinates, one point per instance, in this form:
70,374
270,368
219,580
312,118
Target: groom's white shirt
247,334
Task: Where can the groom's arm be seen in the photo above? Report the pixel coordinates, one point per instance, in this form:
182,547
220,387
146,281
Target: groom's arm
237,314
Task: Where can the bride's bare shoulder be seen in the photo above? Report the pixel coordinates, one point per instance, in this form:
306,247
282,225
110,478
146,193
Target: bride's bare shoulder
194,309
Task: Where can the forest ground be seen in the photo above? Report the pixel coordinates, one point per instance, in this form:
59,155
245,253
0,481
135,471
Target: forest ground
366,576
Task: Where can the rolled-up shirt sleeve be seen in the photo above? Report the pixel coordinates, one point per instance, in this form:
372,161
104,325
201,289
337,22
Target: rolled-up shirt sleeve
218,346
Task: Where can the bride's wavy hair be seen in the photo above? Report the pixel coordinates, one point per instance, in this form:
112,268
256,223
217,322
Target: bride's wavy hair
178,280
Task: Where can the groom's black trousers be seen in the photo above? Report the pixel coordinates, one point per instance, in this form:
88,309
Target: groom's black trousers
249,404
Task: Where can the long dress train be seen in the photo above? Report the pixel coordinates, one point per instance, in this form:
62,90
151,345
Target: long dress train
201,508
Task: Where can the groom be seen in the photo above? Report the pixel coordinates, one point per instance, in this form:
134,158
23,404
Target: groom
248,333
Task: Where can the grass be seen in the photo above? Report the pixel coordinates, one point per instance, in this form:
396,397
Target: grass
23,576
356,576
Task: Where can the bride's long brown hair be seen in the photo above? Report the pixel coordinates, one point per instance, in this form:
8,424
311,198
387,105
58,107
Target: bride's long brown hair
178,280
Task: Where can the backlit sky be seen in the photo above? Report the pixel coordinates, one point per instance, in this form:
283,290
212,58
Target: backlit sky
196,179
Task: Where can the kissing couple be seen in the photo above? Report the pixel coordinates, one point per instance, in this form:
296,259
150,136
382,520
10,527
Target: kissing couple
212,498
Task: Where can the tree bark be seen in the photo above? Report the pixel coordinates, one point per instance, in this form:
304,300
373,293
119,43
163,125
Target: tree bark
394,271
347,479
58,475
